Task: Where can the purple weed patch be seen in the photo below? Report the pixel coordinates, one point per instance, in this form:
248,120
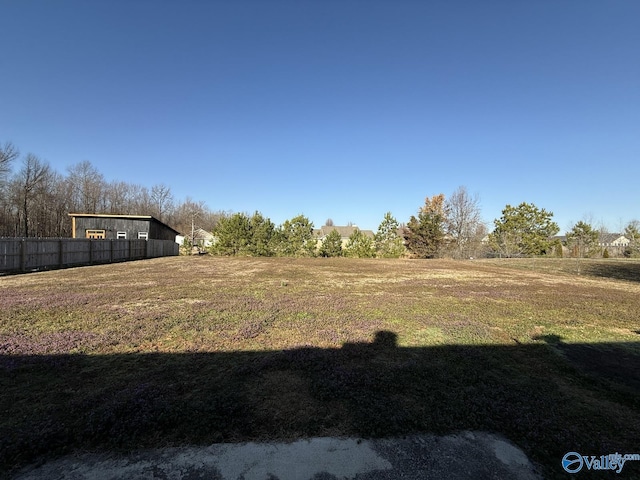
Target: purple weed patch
49,343
50,348
44,299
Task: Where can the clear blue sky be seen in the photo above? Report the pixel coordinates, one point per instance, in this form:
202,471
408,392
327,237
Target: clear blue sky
340,109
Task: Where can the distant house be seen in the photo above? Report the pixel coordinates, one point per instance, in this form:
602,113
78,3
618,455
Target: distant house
201,238
615,243
345,232
613,240
108,226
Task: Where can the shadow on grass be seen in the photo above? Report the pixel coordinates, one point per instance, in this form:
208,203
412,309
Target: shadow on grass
613,269
53,405
618,364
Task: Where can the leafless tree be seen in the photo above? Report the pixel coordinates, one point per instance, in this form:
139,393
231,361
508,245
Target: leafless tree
190,215
8,153
36,201
141,203
464,223
88,188
119,198
161,199
58,202
10,209
31,180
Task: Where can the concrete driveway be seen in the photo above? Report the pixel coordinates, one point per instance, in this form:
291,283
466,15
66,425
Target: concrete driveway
468,455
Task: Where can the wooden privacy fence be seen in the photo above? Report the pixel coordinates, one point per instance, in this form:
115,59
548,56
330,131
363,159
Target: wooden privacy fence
28,254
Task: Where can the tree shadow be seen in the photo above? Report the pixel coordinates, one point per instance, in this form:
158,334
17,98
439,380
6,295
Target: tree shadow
55,404
613,269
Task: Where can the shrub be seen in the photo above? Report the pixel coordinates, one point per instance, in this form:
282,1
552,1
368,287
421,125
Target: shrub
331,245
359,245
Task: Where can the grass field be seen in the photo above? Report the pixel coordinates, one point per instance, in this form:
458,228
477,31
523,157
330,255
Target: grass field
197,350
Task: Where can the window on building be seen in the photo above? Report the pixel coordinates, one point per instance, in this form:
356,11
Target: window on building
95,234
121,235
143,235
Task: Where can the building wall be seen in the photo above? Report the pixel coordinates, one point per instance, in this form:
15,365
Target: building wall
129,227
159,231
112,226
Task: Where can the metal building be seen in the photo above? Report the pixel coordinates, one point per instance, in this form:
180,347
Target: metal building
124,227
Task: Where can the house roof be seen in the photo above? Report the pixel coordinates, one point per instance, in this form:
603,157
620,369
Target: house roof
131,217
609,238
345,232
200,233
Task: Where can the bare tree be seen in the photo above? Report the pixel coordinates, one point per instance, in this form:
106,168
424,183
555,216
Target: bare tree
142,202
30,179
464,223
10,209
58,201
37,200
190,215
161,199
87,187
8,153
119,198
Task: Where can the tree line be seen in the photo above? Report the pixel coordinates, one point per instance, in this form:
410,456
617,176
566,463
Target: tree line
35,200
256,235
444,227
452,227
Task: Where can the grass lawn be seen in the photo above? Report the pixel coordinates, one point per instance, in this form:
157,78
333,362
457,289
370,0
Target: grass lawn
197,350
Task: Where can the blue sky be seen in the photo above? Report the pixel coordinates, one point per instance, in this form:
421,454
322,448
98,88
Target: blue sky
335,109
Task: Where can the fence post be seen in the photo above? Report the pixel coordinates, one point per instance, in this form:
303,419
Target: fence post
23,254
60,252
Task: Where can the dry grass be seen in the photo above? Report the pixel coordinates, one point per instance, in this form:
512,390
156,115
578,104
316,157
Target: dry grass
201,349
